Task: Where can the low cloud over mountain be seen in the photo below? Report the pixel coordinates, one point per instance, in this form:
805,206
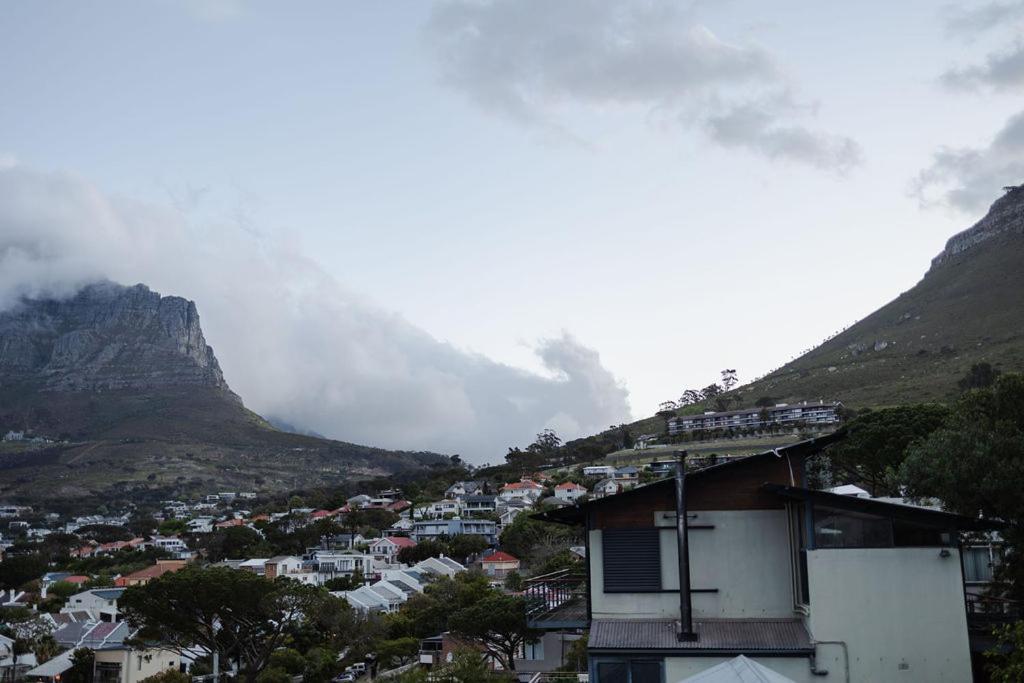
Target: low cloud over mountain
292,341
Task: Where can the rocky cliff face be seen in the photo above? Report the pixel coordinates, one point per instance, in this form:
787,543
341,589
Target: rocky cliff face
107,337
1006,216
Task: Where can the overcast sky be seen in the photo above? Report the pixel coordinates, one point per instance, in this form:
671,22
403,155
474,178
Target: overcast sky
449,225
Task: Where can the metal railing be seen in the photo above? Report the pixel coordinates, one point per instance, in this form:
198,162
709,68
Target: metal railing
986,611
560,677
548,592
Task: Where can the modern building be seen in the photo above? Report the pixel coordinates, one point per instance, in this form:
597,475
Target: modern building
814,586
784,414
433,529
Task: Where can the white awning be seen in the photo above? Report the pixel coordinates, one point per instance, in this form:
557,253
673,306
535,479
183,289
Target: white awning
738,670
52,667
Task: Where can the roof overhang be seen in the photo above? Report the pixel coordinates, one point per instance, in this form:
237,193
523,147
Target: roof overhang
577,514
918,515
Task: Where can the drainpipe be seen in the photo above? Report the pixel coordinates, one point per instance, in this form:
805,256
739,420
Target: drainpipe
686,632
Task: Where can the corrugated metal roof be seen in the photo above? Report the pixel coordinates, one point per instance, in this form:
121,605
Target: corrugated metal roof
720,635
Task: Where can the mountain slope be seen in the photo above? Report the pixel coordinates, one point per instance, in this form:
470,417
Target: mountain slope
967,309
129,398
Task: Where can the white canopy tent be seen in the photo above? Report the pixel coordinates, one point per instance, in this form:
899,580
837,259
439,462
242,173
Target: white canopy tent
738,670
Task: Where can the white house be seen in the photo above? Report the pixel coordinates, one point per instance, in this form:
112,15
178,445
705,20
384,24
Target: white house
808,584
387,548
101,603
598,471
606,487
570,491
524,489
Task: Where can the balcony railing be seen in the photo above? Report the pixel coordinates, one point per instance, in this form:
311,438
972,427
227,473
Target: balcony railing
986,611
557,600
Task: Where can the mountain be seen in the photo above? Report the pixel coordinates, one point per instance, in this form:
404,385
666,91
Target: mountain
123,395
967,309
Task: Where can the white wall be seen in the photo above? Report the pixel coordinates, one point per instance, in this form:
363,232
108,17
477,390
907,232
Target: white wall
138,665
796,668
746,557
899,610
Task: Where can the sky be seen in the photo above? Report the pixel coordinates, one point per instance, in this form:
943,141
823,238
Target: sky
448,225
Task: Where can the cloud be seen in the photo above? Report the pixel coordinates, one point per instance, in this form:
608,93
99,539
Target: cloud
292,341
755,127
974,20
1000,71
530,60
968,178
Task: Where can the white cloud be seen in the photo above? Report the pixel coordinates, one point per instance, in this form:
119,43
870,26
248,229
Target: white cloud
530,60
291,340
1000,71
970,21
968,178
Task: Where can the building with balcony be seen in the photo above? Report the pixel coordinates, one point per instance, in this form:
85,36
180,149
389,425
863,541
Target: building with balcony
812,585
432,529
783,414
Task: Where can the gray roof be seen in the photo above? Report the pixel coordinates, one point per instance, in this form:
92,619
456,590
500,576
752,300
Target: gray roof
479,499
722,636
108,593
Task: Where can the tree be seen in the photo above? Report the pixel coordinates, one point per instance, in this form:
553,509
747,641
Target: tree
1006,659
461,546
690,397
62,589
397,651
82,665
467,666
729,379
876,444
980,376
18,570
709,392
173,527
225,611
547,442
499,623
168,676
974,464
321,665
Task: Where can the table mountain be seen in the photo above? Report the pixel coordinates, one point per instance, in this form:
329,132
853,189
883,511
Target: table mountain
124,395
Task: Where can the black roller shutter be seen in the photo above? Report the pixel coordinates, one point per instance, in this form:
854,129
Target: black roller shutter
632,560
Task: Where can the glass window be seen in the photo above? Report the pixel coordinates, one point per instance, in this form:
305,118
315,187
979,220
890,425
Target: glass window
630,671
978,565
844,529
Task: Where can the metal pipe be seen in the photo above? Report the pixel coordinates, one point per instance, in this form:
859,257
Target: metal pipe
686,632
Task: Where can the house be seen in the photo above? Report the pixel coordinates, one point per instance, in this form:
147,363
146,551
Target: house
292,567
117,658
330,564
800,581
524,489
499,565
387,548
435,528
627,476
99,602
463,488
569,491
508,515
173,546
606,487
479,504
438,508
144,576
598,471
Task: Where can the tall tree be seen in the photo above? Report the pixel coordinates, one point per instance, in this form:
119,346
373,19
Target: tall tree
974,464
876,444
729,378
224,611
499,623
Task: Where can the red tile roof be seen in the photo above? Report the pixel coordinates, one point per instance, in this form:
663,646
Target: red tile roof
499,556
229,523
400,541
525,484
569,485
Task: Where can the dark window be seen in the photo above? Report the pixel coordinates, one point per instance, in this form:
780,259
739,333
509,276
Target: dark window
629,671
612,672
907,535
632,560
844,529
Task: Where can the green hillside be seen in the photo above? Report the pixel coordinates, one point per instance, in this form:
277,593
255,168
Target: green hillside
969,309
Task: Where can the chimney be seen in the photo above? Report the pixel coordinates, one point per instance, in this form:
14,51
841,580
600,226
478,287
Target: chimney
686,632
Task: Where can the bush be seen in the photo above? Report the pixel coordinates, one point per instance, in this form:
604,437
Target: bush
288,660
274,675
168,676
